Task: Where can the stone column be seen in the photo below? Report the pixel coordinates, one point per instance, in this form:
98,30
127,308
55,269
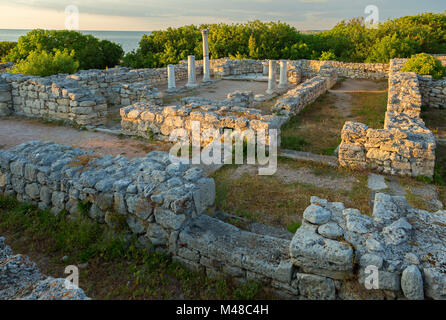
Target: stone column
265,68
171,77
191,79
271,77
206,67
283,82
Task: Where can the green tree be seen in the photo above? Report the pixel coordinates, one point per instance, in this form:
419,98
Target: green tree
5,48
91,52
42,63
391,47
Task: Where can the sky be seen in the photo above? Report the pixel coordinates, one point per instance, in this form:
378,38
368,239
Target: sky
148,15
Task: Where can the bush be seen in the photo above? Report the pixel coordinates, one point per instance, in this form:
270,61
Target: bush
327,56
349,41
425,64
391,47
5,48
42,63
91,52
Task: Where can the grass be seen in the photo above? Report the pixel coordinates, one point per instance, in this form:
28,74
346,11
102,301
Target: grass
317,128
114,267
268,200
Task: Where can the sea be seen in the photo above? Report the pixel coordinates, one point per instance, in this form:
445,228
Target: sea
129,40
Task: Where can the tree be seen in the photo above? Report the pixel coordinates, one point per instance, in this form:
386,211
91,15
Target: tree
5,48
391,47
42,63
90,52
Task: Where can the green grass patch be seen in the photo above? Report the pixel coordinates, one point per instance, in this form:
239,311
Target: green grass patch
118,266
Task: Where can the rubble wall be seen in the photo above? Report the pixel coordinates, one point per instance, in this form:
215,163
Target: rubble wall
373,71
405,146
297,98
170,206
158,122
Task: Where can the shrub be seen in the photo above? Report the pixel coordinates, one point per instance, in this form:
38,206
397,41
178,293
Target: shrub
349,41
5,48
91,52
425,64
327,56
42,63
391,47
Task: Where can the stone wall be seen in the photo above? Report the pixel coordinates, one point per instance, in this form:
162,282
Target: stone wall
237,67
292,102
152,195
54,98
158,122
170,206
433,91
405,146
374,71
5,98
20,279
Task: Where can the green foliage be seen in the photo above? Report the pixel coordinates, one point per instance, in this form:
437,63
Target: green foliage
114,259
90,52
391,47
84,207
42,63
425,64
5,48
349,41
327,56
293,226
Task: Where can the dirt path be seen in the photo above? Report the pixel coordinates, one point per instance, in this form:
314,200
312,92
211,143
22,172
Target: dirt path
289,175
343,90
16,131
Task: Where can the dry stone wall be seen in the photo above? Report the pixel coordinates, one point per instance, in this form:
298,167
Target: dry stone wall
374,71
433,92
405,146
53,98
5,98
170,206
154,196
297,98
20,279
158,122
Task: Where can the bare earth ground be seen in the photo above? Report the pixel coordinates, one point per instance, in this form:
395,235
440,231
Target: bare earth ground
220,89
280,199
14,131
349,100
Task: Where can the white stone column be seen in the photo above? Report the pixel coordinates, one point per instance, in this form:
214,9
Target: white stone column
206,67
283,82
271,77
265,68
191,79
171,77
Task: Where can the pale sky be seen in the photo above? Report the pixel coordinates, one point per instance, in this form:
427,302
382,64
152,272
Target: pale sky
147,15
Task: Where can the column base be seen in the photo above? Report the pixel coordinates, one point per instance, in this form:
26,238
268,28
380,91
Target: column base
192,85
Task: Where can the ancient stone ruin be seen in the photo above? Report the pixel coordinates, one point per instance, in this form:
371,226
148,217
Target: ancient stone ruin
171,206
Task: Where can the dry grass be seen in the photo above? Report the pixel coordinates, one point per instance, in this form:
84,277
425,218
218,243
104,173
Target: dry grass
110,268
317,128
268,200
